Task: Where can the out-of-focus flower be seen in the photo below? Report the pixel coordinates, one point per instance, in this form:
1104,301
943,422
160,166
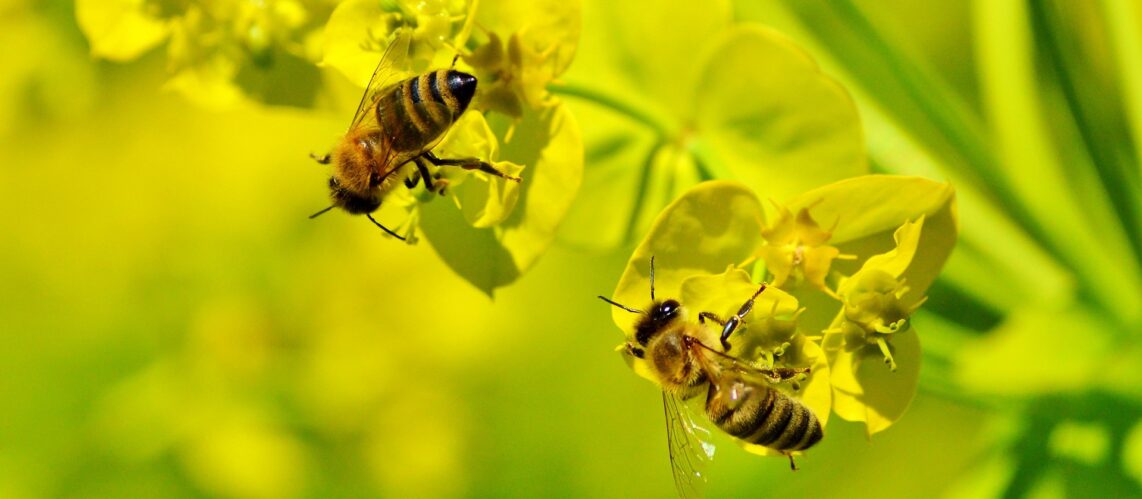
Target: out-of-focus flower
680,93
219,53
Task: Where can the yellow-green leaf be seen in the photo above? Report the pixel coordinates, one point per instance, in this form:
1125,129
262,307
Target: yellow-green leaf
774,119
1038,351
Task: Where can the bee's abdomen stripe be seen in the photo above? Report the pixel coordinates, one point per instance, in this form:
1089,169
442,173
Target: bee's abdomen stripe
414,90
749,414
795,430
812,434
775,422
434,86
444,92
411,111
438,112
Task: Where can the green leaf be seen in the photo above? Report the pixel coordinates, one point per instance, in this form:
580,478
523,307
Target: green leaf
777,122
713,225
119,30
548,143
1038,351
1076,227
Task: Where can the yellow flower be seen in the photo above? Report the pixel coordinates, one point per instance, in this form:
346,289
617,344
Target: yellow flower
796,248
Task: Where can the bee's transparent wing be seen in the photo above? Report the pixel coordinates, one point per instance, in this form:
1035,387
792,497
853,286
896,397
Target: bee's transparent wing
720,364
388,72
690,447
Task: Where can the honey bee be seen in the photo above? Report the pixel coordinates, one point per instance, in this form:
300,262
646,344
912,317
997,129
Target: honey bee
397,124
689,358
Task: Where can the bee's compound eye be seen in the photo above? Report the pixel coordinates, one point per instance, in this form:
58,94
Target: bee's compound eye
669,308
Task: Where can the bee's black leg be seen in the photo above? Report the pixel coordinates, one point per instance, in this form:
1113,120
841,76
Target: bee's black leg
704,316
792,463
412,180
386,229
320,159
735,321
469,164
436,185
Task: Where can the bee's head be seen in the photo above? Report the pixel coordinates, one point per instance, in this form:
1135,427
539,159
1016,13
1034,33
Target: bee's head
462,86
654,319
660,315
351,201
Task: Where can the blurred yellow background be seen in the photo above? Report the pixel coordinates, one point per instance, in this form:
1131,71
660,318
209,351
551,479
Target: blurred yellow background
173,325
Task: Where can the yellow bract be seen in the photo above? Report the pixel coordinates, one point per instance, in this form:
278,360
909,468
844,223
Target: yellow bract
485,200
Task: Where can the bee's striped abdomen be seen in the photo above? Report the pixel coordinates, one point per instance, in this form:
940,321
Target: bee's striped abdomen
418,110
765,417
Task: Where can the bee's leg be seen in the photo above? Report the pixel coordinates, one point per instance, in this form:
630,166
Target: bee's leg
792,463
412,180
635,351
320,159
735,321
386,229
704,316
431,183
469,164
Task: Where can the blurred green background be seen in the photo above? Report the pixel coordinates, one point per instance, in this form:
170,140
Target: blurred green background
174,326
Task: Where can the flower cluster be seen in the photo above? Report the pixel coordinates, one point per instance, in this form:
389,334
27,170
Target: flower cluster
852,317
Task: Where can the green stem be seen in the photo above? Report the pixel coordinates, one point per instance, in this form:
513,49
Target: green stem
613,103
640,194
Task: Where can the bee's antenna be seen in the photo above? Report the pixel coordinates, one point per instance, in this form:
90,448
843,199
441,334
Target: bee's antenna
652,278
624,307
378,224
313,216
